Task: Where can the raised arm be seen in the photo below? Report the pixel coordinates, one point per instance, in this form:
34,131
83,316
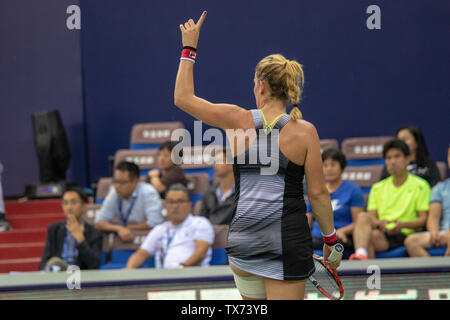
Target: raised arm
225,116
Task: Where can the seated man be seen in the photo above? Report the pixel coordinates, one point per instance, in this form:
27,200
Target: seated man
168,173
184,240
137,204
346,198
75,242
397,206
218,200
438,224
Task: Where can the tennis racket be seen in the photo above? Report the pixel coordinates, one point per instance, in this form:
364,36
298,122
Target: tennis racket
326,279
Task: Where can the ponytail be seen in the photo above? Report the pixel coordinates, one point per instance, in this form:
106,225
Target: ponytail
296,114
295,80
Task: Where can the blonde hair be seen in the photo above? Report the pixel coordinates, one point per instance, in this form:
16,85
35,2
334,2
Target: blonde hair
285,79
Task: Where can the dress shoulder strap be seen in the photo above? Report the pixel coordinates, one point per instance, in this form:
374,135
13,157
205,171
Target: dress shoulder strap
257,119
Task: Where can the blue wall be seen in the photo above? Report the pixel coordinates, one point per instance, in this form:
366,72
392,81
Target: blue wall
359,82
40,69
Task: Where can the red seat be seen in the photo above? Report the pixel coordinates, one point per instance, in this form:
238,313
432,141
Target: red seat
326,144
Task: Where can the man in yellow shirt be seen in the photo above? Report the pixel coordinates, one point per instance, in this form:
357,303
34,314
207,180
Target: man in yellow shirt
397,206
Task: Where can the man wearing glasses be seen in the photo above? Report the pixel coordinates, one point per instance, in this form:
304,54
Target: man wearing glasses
73,241
136,204
184,240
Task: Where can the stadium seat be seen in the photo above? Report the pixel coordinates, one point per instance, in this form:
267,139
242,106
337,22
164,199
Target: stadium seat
363,176
437,252
144,159
442,166
103,258
121,251
123,256
219,257
151,135
198,159
103,186
91,212
364,151
328,144
399,252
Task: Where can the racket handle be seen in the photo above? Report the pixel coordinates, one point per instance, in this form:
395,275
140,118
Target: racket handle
337,250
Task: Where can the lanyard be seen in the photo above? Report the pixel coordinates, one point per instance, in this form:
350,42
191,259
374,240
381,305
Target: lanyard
269,127
165,249
130,208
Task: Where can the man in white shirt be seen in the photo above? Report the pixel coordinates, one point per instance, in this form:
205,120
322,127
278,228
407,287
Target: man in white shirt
137,204
184,240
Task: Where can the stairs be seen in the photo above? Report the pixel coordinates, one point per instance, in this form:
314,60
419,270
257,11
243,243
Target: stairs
21,248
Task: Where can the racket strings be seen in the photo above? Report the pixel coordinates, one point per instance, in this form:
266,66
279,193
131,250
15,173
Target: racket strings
326,280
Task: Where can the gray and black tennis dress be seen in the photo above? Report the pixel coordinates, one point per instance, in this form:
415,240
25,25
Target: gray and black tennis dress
269,234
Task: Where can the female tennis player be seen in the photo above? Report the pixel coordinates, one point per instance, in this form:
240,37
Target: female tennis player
269,243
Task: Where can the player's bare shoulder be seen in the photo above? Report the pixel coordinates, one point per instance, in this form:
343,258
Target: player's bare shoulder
295,140
300,129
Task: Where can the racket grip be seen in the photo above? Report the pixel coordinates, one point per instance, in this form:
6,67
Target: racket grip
337,250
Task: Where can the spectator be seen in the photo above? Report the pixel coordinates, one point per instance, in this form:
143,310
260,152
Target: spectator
218,200
438,224
420,163
168,173
4,225
73,241
397,205
137,204
184,240
347,201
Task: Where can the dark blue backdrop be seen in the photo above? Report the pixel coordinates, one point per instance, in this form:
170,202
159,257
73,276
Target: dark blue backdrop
359,82
40,69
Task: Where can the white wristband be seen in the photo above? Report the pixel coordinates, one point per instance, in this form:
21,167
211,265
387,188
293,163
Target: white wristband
328,235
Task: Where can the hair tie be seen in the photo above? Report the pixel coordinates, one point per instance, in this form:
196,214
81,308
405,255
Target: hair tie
285,64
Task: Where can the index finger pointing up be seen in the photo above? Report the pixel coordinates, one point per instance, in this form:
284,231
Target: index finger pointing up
201,19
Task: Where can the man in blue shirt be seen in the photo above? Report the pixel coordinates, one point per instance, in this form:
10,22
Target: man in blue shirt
131,203
347,200
438,224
